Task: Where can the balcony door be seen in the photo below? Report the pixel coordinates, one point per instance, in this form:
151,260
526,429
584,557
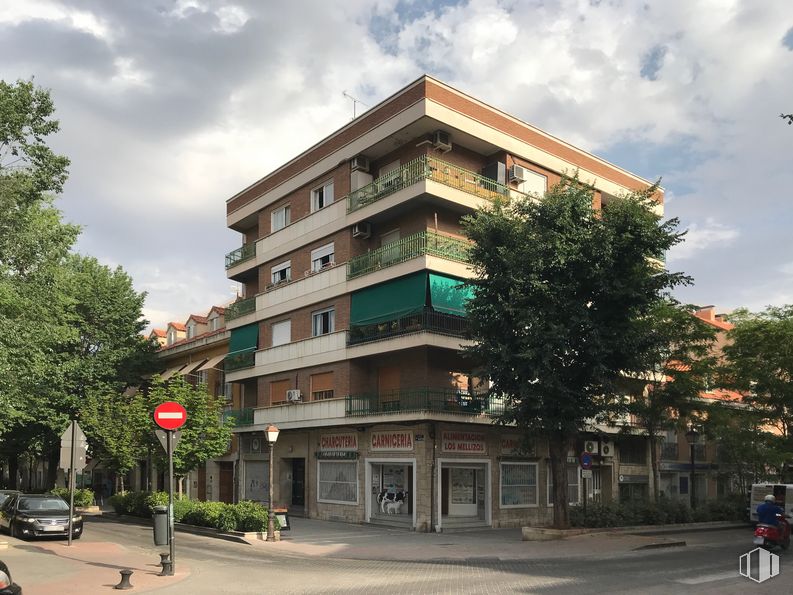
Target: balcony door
388,387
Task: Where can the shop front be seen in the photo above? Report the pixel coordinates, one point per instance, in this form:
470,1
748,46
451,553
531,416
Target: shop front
391,478
463,480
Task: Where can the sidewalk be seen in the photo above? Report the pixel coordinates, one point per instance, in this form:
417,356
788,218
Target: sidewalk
85,567
311,537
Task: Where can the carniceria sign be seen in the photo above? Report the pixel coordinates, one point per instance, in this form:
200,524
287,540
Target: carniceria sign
393,440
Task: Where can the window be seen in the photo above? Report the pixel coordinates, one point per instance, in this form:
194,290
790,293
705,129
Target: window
390,248
322,386
190,331
633,451
282,332
322,257
535,183
338,482
321,197
278,391
518,485
279,218
202,376
573,487
281,273
171,337
228,390
323,322
213,323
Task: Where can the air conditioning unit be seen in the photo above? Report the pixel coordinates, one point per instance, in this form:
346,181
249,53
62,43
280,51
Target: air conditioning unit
359,163
591,446
294,396
362,230
606,447
517,173
441,140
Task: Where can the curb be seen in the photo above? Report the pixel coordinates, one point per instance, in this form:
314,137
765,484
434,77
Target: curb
549,533
235,536
658,546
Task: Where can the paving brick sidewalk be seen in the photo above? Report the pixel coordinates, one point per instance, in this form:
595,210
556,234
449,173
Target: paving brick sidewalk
85,567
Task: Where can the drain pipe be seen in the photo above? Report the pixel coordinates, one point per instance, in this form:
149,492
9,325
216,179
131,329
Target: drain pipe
433,435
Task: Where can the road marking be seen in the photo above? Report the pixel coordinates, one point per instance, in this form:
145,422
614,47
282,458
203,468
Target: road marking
708,578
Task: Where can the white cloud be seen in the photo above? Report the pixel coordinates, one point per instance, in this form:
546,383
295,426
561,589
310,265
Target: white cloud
703,237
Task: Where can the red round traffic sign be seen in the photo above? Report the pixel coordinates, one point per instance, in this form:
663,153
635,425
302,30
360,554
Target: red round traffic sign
170,415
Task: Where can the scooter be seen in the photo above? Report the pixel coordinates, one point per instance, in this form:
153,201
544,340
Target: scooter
770,536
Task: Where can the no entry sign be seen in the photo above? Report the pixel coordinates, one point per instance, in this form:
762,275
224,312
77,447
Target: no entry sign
170,415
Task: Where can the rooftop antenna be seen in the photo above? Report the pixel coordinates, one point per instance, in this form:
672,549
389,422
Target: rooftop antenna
235,289
355,102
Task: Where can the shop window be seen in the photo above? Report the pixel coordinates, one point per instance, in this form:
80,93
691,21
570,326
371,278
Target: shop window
338,482
280,218
281,273
518,485
573,484
323,322
321,197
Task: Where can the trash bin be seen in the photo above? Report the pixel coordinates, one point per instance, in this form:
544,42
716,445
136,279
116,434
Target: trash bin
160,517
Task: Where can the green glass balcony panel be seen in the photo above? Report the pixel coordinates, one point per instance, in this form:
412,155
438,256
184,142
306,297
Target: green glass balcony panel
449,294
419,244
240,359
389,300
246,252
443,400
240,308
241,417
428,168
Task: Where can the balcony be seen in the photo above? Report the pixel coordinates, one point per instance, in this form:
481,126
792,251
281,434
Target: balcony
240,308
246,252
669,451
441,400
419,244
240,360
427,168
426,320
241,417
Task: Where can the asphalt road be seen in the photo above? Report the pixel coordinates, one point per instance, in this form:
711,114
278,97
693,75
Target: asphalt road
708,564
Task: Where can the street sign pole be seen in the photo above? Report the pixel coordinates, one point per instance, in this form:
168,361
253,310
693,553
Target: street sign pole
71,483
170,502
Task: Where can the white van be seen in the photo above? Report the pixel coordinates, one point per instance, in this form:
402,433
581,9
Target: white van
783,492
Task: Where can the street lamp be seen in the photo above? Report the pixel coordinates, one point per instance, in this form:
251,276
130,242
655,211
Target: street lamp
272,435
692,436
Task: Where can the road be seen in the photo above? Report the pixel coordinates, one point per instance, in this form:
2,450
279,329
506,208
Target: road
708,564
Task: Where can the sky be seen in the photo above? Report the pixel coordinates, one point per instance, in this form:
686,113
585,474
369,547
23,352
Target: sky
168,108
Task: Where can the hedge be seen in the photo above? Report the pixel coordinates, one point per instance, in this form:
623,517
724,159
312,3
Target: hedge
83,497
243,516
663,512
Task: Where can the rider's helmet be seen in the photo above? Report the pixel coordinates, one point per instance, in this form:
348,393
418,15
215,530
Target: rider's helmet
770,498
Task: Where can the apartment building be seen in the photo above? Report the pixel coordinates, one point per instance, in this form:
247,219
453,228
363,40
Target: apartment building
196,349
348,335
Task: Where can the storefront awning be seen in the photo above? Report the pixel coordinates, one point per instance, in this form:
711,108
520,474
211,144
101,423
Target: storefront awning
190,367
389,300
449,294
244,338
170,372
212,362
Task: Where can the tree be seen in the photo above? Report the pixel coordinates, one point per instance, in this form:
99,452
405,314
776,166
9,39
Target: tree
679,365
559,295
204,435
759,363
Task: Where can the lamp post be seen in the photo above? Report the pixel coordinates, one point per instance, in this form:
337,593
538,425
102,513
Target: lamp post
692,436
272,435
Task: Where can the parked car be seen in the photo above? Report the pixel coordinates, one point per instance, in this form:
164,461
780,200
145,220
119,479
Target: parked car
8,586
6,494
38,515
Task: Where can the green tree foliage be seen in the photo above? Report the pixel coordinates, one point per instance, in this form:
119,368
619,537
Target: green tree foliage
748,453
559,295
204,435
679,365
759,363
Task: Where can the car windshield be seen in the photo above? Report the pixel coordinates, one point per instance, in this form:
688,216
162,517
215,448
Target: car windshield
42,504
3,498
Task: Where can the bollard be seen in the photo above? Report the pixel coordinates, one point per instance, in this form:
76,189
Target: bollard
167,569
164,558
124,584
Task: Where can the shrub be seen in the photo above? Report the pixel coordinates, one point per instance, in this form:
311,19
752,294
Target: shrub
82,496
665,511
203,514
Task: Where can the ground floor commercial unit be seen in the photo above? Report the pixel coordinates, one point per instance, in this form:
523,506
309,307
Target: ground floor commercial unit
424,475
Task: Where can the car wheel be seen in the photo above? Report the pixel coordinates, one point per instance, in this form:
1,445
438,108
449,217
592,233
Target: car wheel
78,536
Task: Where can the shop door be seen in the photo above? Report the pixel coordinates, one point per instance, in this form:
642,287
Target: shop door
298,482
202,482
462,492
226,484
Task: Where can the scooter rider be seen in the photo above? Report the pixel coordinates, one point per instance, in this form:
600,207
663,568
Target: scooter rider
767,512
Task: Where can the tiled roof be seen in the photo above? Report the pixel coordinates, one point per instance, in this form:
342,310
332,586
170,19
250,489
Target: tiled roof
178,326
182,342
708,315
198,319
158,332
